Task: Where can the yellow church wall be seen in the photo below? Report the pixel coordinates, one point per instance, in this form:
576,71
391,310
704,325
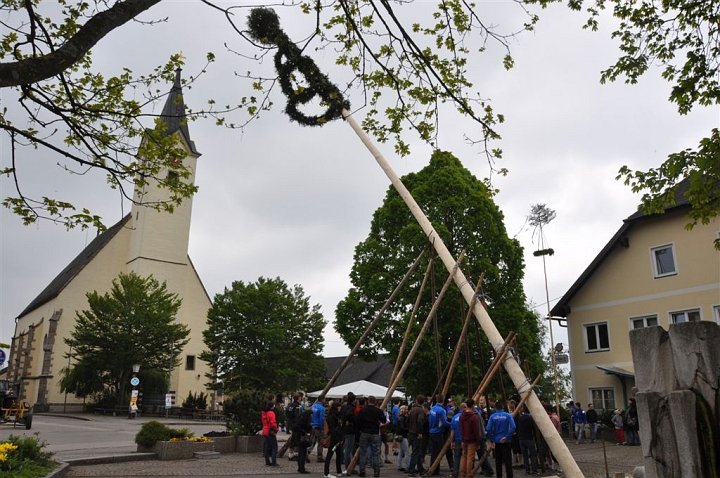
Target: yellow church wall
194,315
151,243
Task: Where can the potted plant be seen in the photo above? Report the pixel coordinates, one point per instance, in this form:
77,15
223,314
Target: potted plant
170,443
242,413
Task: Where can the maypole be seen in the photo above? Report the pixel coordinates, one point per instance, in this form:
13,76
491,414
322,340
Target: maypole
265,28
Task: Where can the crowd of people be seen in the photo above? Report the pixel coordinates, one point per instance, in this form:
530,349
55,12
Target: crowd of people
407,434
625,423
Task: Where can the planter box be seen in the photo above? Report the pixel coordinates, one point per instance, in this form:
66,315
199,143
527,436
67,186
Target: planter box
225,444
249,444
178,450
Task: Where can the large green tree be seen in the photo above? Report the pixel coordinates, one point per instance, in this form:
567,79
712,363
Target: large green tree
134,323
265,335
462,211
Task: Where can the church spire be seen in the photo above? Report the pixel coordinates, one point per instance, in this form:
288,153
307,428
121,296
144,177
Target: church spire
173,113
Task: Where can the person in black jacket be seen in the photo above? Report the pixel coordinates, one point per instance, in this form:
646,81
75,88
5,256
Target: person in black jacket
369,420
303,430
336,437
347,414
525,431
592,419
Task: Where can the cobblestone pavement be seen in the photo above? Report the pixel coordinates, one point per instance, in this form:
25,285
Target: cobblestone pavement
589,457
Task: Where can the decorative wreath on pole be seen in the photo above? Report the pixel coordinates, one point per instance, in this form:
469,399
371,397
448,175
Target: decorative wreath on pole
265,28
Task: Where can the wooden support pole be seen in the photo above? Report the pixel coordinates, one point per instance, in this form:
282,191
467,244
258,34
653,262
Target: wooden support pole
413,350
411,321
494,367
461,340
371,326
552,437
524,397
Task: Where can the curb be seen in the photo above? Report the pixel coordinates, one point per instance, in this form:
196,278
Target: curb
59,472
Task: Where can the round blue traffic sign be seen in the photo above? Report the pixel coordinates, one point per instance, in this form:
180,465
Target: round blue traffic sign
134,381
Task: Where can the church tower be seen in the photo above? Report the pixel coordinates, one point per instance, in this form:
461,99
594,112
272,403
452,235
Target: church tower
161,237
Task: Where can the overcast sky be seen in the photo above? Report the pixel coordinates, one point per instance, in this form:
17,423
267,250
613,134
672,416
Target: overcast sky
282,200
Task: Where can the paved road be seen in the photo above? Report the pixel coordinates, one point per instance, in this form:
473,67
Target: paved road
83,436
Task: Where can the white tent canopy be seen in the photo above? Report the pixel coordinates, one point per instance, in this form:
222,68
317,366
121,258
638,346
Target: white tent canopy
361,388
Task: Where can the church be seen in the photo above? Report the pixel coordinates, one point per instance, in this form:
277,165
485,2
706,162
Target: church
146,242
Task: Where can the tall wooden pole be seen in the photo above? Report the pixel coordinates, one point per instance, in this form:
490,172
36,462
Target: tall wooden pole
553,439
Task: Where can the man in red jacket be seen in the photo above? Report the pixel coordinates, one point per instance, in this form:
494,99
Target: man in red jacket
472,437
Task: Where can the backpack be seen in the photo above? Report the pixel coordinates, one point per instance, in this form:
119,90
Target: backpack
292,413
325,440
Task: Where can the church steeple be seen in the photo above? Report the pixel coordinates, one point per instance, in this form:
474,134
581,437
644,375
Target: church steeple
159,236
173,113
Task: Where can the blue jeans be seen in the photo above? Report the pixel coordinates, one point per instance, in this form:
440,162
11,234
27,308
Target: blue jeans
349,448
457,456
403,458
372,441
593,431
270,449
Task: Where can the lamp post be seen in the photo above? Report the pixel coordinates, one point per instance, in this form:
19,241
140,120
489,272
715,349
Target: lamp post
134,381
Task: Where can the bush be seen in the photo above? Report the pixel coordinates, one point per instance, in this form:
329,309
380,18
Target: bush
24,457
243,412
154,431
197,401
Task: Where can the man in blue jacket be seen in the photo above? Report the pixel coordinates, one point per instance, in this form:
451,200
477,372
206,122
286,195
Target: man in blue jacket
438,421
499,431
317,421
580,419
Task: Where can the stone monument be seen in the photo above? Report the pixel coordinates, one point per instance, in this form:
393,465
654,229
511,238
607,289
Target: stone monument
677,377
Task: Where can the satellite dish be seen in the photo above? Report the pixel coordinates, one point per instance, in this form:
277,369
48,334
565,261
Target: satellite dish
559,347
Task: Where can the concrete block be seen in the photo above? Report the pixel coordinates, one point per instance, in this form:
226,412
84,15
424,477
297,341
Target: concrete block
696,357
249,444
657,436
682,413
225,444
652,357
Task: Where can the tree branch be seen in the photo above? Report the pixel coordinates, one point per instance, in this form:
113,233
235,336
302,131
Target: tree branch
34,69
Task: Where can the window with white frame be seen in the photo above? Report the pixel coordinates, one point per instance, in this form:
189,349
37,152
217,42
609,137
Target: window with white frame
663,259
716,313
690,315
641,322
596,337
603,398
